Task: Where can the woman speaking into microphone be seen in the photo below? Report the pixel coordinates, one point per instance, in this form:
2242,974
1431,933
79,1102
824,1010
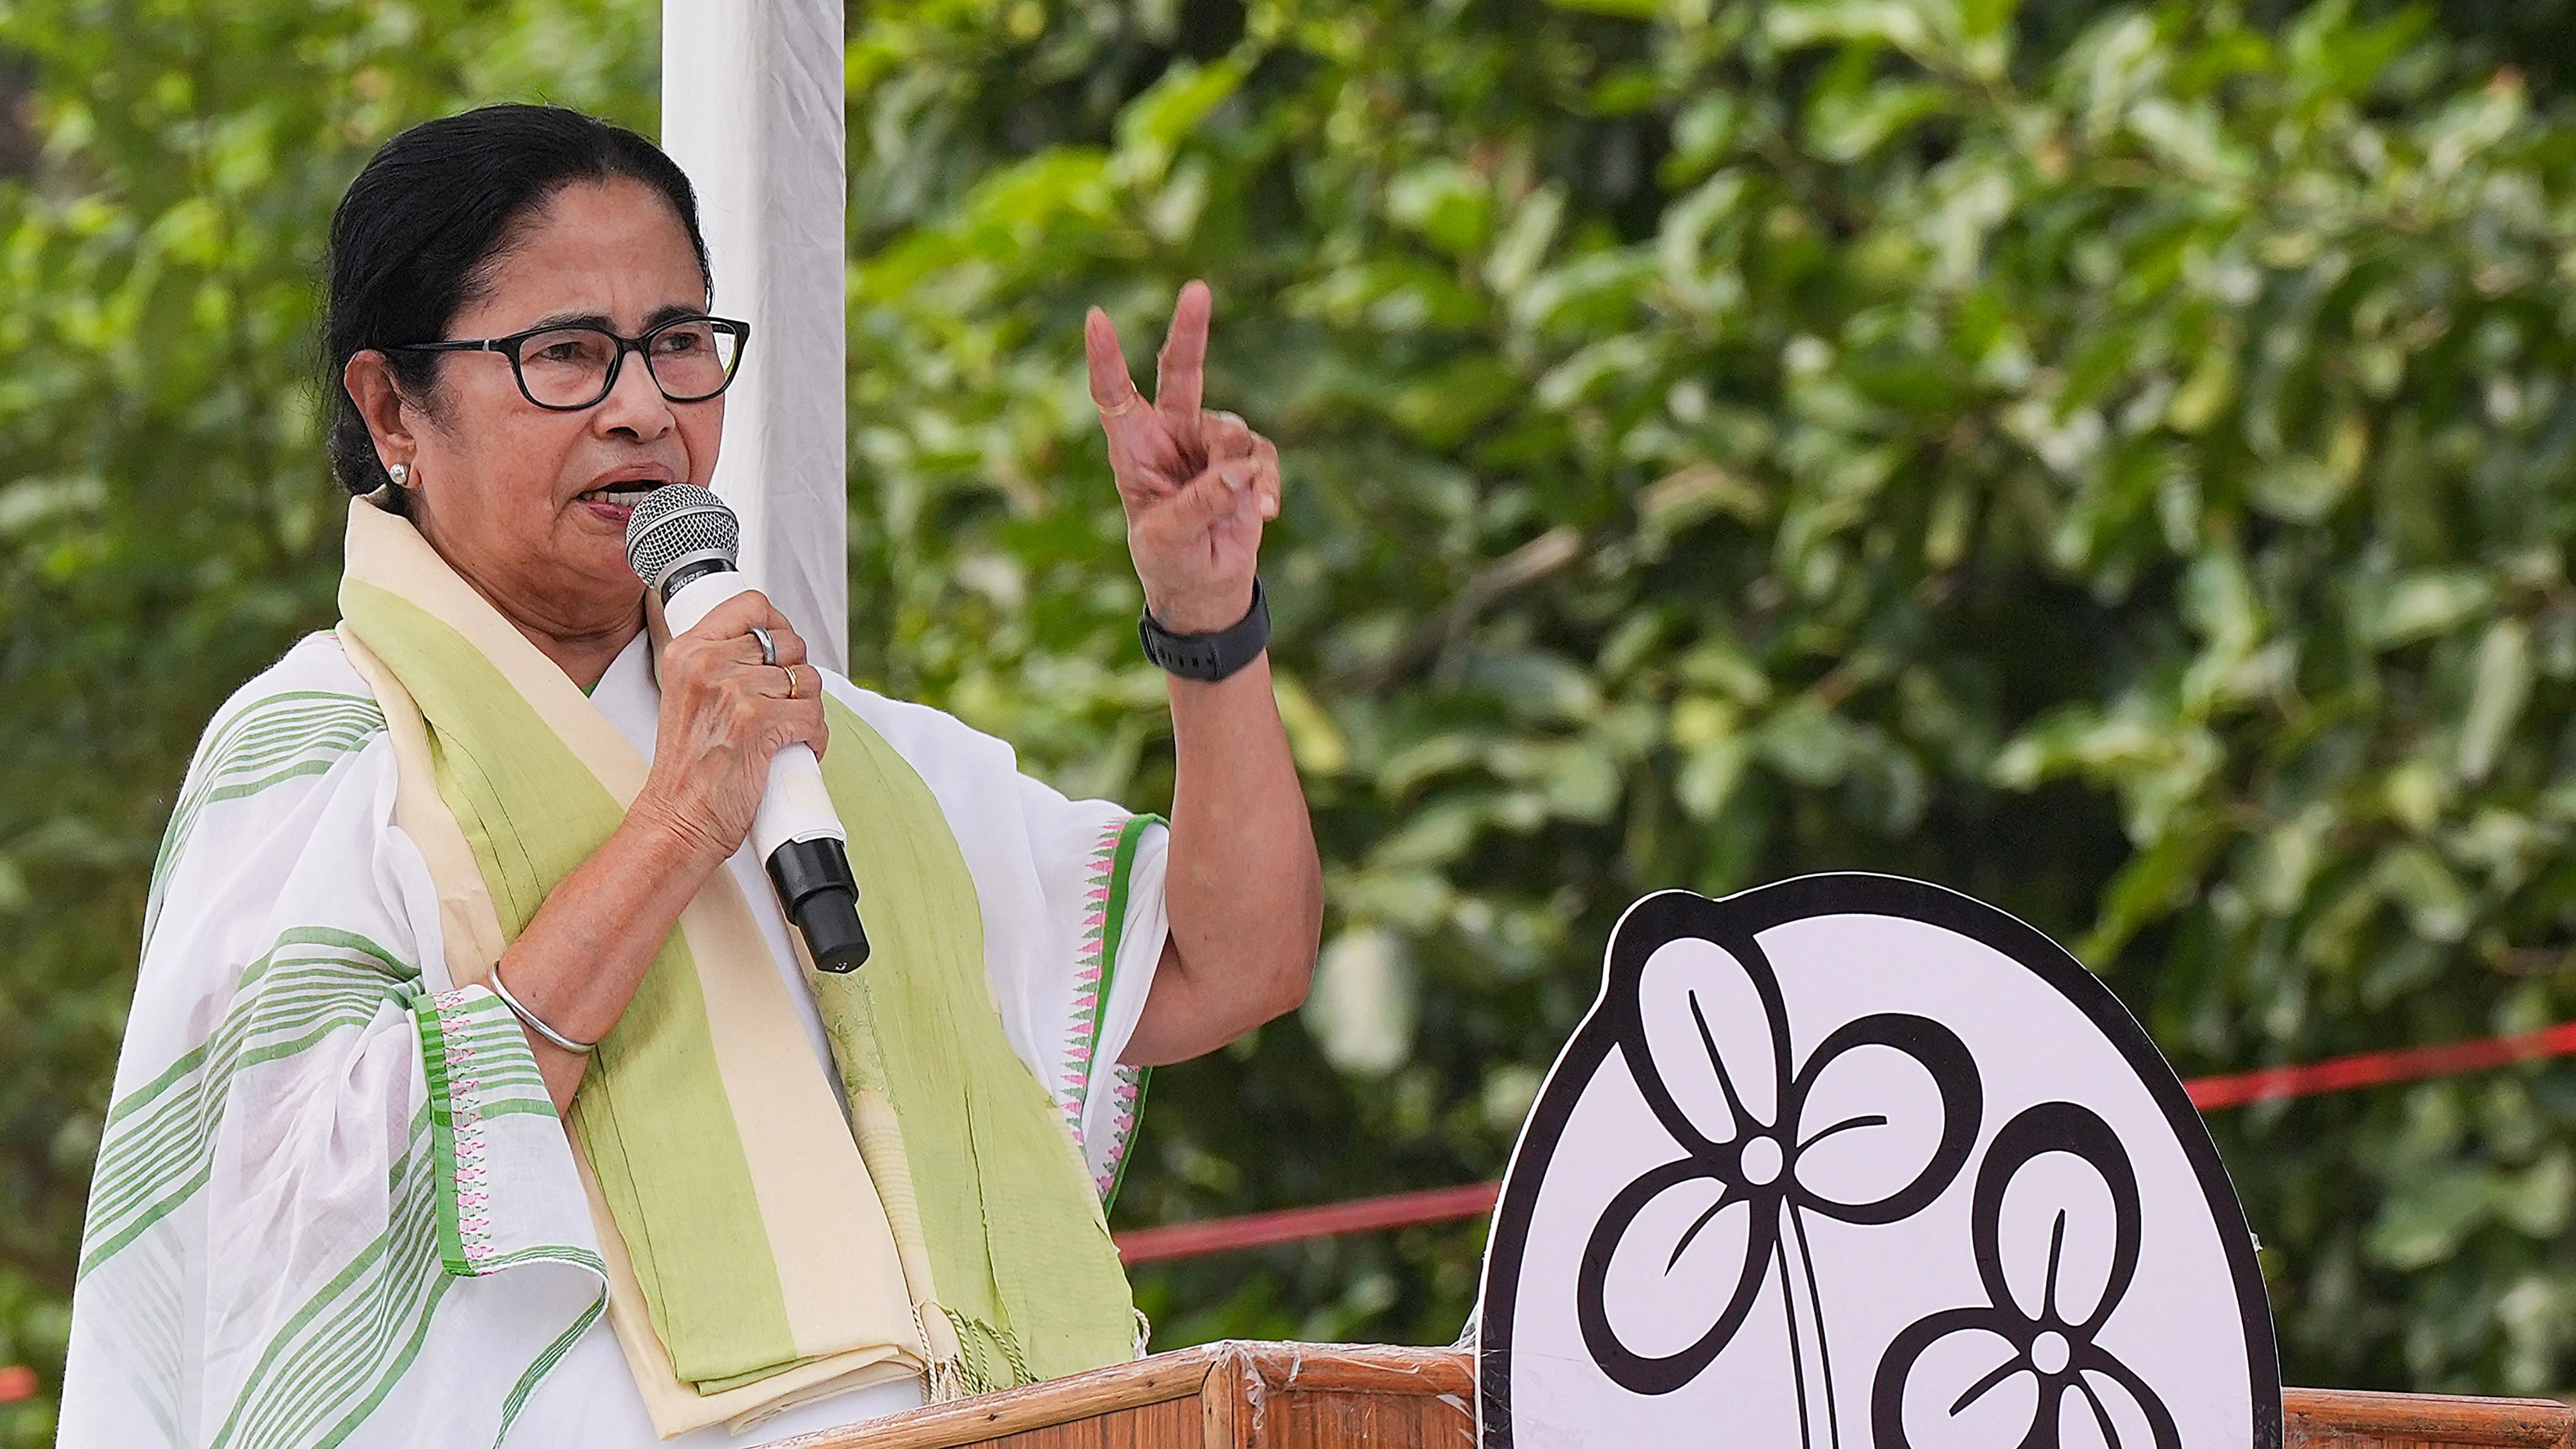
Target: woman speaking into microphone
476,1089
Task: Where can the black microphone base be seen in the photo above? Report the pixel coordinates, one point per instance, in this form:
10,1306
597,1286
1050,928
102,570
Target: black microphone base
822,898
833,935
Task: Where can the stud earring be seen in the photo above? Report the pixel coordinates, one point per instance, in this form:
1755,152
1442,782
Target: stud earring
401,474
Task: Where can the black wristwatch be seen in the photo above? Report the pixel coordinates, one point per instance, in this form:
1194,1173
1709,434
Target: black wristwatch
1209,657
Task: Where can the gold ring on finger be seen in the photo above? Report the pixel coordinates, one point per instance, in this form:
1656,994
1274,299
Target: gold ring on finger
791,679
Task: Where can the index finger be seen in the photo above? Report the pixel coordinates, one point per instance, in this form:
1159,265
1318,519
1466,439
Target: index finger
1112,390
783,638
1180,374
733,617
1138,446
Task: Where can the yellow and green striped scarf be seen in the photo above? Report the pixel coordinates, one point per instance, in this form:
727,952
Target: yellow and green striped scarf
763,1249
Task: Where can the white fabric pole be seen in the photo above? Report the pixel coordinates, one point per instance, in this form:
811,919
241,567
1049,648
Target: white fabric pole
751,109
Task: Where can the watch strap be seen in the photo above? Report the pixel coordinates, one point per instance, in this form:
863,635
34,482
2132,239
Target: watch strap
1208,657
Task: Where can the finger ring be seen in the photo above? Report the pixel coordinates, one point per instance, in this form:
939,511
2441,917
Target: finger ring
768,646
791,679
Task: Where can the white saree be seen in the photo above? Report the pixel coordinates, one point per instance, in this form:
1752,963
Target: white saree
303,1093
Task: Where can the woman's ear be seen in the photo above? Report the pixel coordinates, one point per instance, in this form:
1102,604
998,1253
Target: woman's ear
369,377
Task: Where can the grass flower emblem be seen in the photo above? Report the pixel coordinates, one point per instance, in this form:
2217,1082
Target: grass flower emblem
2002,1374
1855,1133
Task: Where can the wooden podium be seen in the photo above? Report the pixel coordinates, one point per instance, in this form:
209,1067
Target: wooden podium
1325,1396
1274,1395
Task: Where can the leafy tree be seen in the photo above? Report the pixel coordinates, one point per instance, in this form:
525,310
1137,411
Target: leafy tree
2122,476
2112,460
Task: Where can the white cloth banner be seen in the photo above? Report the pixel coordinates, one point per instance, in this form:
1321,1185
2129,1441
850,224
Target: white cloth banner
752,110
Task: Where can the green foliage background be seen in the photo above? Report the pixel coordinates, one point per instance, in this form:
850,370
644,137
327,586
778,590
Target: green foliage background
2112,459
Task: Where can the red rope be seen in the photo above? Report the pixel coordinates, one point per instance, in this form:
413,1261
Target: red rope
1260,1230
2209,1094
2372,1069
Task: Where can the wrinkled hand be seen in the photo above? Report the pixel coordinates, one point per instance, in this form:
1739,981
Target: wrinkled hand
724,714
1196,485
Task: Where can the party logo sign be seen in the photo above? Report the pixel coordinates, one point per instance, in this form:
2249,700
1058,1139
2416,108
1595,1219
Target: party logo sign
1856,1161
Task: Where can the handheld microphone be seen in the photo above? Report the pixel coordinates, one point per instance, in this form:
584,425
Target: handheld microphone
683,540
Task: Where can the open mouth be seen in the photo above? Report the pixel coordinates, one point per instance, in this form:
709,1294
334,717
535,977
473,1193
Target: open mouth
621,495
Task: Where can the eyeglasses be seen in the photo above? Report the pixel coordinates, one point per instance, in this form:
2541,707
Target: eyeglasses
566,369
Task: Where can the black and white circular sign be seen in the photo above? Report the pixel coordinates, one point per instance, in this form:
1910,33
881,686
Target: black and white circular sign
1857,1161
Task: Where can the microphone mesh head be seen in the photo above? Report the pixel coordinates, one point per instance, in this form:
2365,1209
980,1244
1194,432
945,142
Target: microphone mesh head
678,522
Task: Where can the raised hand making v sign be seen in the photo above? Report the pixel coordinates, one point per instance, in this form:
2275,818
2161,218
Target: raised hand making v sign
1244,891
1197,485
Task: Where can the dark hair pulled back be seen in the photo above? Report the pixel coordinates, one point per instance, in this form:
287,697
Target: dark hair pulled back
430,210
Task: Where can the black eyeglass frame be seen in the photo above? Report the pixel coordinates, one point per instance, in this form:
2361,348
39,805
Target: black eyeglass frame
509,347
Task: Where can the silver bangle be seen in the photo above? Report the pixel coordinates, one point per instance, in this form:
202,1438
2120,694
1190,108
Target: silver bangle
577,1048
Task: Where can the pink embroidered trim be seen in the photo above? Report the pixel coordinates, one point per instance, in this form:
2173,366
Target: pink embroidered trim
1081,1034
1126,1095
465,1119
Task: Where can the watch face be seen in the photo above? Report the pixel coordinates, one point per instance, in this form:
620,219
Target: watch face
1856,1161
1208,657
